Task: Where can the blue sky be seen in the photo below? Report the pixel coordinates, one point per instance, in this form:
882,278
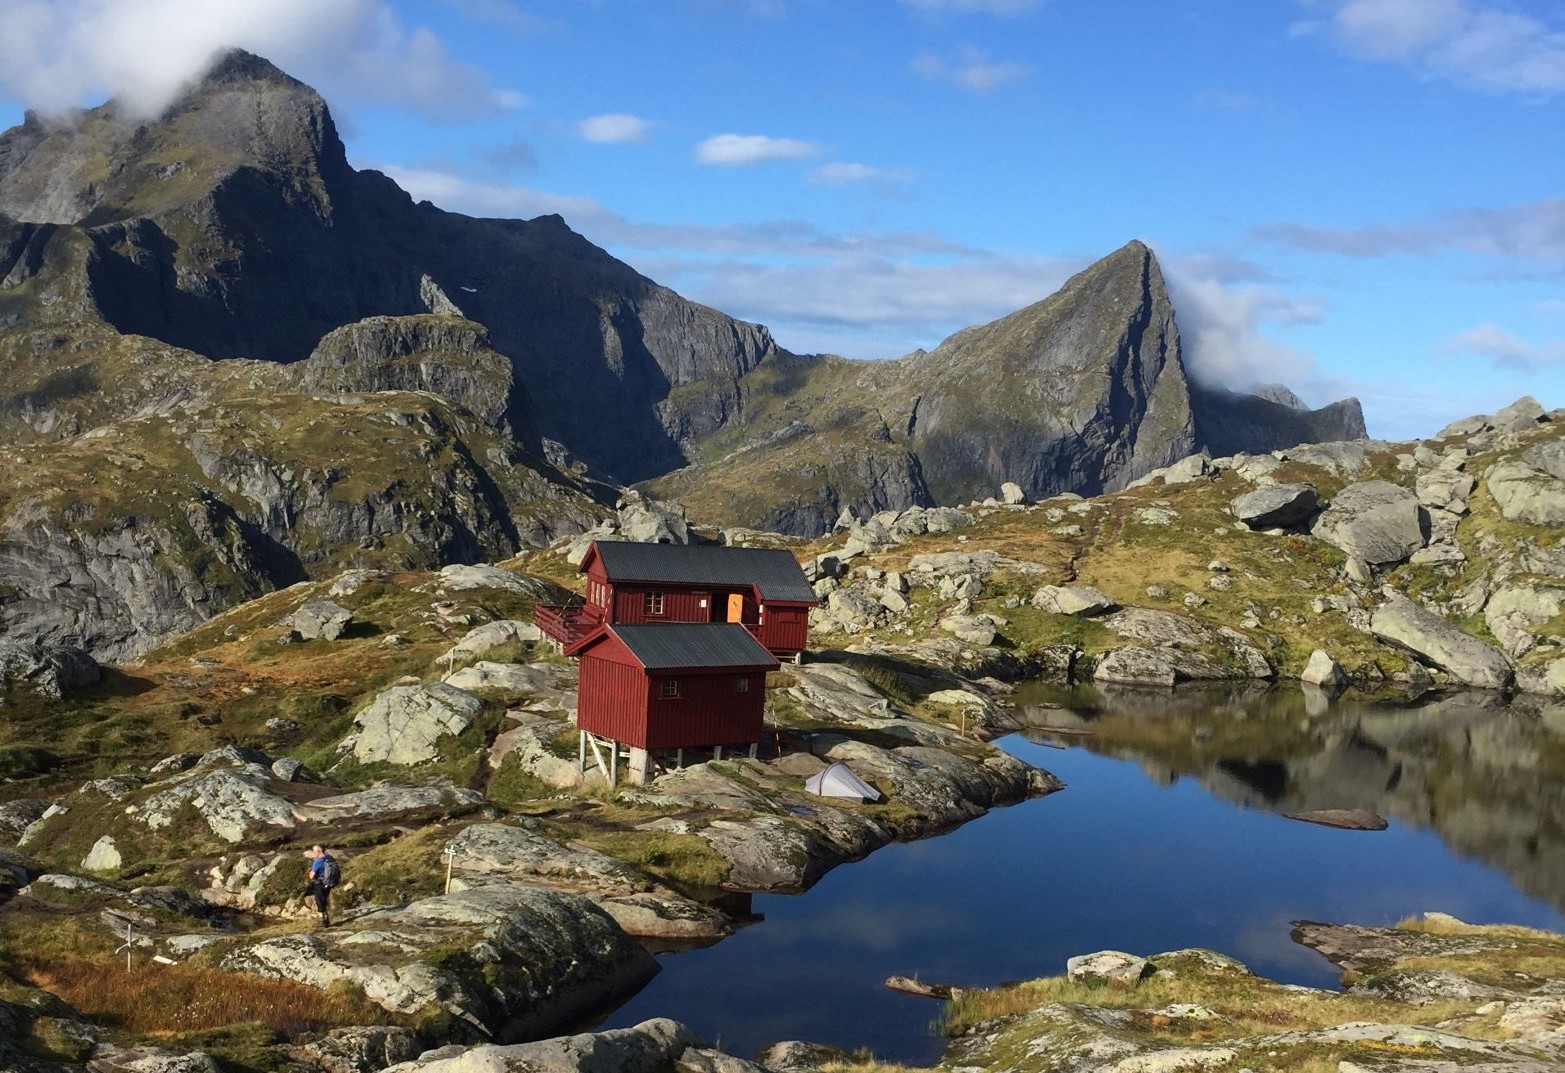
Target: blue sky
1350,196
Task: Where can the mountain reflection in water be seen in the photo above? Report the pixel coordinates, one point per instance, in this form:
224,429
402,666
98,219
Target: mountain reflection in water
1486,775
1166,836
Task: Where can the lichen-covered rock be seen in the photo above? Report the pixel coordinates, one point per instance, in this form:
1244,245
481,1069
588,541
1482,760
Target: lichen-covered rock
1375,521
232,803
649,1047
380,802
1324,672
1435,640
405,724
1277,506
502,633
321,620
1080,600
1112,967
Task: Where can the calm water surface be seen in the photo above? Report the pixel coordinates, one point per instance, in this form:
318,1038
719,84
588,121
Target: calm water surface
1171,842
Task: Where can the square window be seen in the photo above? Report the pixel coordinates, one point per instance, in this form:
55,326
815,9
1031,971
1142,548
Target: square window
652,603
671,687
742,685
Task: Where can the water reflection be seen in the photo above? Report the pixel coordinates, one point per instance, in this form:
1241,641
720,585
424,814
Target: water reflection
1483,774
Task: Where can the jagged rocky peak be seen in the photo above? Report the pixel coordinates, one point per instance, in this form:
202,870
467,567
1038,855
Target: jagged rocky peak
108,164
1082,391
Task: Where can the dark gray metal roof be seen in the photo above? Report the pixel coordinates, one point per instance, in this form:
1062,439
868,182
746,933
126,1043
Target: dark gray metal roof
666,645
773,570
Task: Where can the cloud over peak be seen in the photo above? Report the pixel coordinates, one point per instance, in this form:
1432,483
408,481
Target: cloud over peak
58,56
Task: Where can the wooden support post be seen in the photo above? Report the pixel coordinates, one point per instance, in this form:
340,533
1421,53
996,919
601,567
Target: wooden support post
614,764
640,766
581,752
754,748
679,758
717,752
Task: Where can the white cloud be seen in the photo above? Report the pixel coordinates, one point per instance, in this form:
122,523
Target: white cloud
966,7
1221,318
739,150
1479,45
843,173
1509,351
59,55
1533,231
617,128
971,70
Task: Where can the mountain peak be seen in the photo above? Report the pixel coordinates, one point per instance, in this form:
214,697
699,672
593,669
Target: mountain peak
235,67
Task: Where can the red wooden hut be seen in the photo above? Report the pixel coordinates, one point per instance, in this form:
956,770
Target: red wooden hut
669,686
762,589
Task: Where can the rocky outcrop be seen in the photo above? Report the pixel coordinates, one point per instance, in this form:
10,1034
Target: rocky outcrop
49,670
1279,506
405,724
1169,648
1436,641
650,1047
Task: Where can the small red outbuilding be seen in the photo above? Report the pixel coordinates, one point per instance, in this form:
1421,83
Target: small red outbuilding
678,685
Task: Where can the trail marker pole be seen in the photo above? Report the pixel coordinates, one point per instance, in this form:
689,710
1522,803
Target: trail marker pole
129,936
450,856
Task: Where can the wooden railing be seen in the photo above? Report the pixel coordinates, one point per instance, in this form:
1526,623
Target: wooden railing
566,624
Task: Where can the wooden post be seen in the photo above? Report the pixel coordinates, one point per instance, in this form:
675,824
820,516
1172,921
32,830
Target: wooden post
640,766
581,752
450,855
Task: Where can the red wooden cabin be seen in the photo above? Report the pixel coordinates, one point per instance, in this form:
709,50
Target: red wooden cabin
762,589
671,686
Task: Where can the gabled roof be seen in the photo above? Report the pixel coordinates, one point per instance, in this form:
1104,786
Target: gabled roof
668,646
774,571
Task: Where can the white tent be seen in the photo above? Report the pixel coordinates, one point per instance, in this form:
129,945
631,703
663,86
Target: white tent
838,780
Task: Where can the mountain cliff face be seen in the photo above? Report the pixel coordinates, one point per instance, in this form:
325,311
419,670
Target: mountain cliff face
232,361
1082,392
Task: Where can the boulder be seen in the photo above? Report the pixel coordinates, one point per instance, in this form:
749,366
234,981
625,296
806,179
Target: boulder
1374,521
1345,458
351,581
1528,493
1324,672
232,803
1136,665
320,620
1431,638
1011,493
970,629
1080,600
481,640
459,577
1547,458
1514,612
361,1048
386,800
511,681
50,670
404,724
1187,469
103,857
649,1047
1112,967
651,521
527,747
1444,489
1520,416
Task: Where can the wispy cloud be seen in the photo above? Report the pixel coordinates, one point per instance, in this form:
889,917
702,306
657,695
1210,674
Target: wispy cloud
1479,45
971,69
510,157
1491,341
742,150
843,173
1534,231
617,128
57,56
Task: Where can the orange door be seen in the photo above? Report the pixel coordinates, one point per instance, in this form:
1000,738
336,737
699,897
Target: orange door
736,607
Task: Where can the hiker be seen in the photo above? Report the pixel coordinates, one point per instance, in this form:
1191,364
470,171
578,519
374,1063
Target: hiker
323,876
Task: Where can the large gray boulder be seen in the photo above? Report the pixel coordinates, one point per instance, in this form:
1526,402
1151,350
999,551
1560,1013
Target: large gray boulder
1080,600
1276,507
50,670
652,521
232,803
404,724
482,640
1376,521
321,620
1324,672
1532,488
649,1047
1432,639
1516,611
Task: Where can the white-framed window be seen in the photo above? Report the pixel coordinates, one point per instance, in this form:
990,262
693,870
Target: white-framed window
741,685
670,687
652,603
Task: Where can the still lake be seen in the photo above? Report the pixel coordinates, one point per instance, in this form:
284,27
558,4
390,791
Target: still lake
1169,834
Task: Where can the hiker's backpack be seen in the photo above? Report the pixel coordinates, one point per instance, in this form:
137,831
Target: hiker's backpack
331,872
